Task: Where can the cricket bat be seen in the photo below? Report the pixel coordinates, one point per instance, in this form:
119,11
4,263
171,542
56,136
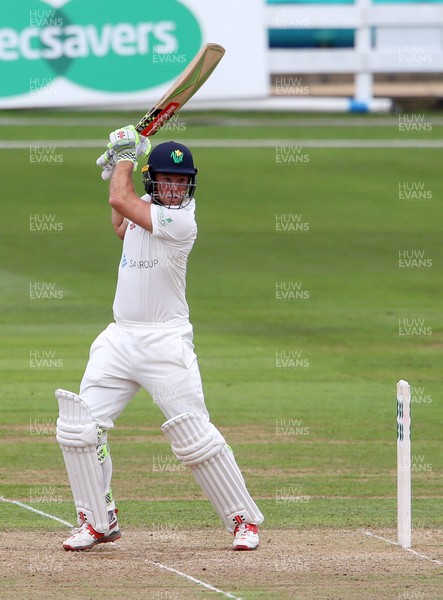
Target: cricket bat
189,82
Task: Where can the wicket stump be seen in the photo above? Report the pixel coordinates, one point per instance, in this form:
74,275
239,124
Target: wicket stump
404,514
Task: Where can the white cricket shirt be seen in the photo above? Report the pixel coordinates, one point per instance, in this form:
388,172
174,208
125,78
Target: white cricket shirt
151,285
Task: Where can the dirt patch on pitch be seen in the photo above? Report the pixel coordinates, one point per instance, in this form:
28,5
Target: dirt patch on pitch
290,564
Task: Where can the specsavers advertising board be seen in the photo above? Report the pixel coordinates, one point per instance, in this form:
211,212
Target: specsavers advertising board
90,53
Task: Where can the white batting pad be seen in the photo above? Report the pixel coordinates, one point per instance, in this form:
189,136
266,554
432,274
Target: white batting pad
198,444
77,434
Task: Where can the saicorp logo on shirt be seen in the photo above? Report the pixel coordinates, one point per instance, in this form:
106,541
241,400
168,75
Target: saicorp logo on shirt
112,46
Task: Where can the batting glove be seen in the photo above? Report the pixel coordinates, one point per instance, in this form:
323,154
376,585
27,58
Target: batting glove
123,142
106,162
116,149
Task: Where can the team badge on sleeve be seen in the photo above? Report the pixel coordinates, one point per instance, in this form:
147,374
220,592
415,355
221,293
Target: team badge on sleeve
162,218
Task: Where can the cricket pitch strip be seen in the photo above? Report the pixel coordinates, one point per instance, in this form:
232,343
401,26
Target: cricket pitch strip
196,564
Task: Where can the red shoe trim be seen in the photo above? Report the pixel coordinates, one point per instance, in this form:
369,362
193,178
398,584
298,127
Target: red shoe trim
244,548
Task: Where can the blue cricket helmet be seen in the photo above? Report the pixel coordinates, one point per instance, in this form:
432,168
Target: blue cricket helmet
170,157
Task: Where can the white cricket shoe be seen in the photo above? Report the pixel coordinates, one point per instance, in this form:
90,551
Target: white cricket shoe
245,537
85,536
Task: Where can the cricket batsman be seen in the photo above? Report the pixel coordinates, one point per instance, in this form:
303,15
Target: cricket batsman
149,345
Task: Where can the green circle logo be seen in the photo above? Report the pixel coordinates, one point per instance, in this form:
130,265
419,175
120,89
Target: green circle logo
111,46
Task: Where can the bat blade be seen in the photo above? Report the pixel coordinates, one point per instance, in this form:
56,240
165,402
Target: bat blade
189,82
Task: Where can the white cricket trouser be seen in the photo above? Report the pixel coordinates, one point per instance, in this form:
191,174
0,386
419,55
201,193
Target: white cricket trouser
158,357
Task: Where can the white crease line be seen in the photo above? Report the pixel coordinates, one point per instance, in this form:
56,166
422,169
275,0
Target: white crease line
156,564
206,585
39,512
379,537
241,143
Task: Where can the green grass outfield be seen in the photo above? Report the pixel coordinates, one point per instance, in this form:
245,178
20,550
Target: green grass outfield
316,438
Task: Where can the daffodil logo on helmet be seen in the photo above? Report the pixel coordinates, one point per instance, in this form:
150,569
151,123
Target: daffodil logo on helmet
177,156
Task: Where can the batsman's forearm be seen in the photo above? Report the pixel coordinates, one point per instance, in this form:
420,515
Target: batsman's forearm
124,200
119,223
121,188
